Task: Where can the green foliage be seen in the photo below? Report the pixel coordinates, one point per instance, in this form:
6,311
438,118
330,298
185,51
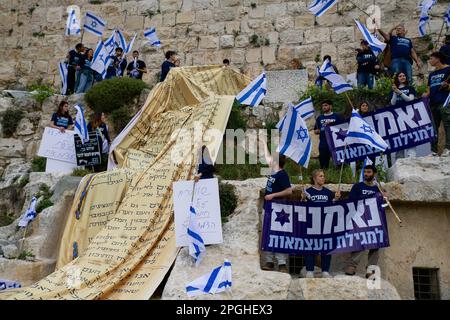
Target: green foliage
45,193
253,5
236,119
121,117
10,121
6,219
254,40
25,254
43,204
39,34
38,164
109,95
23,182
41,92
228,199
80,172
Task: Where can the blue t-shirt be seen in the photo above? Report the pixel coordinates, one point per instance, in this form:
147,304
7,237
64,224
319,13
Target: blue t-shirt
435,80
401,47
445,50
406,90
277,182
362,191
165,68
366,61
319,196
321,123
62,121
74,58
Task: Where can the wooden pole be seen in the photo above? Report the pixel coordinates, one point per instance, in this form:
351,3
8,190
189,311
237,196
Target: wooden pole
342,169
439,36
23,238
357,7
82,36
390,205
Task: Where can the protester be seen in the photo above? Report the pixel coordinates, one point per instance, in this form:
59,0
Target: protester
118,65
401,90
98,124
226,62
438,90
402,51
205,166
86,75
445,50
278,186
136,68
320,79
317,193
327,118
363,190
61,119
73,58
171,57
367,65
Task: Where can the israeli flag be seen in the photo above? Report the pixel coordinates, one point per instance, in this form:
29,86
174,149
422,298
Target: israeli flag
94,24
424,18
150,34
305,108
101,60
295,141
29,215
254,92
216,281
63,73
73,25
80,124
367,162
447,17
338,83
375,44
359,131
196,244
319,7
8,284
122,43
110,43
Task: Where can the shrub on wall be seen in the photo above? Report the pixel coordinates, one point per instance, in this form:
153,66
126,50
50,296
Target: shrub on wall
228,199
10,121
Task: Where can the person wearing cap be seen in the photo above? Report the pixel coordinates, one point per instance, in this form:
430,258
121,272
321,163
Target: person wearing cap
367,65
445,50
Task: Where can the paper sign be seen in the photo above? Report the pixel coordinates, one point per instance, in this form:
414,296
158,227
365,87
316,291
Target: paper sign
56,166
88,153
58,146
207,205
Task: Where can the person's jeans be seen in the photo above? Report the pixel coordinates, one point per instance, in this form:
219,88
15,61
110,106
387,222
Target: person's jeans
437,118
325,260
403,65
356,256
365,79
70,80
324,157
85,82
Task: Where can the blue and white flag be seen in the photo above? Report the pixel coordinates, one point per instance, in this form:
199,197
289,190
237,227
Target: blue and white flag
150,34
447,17
305,108
73,25
101,60
319,7
216,281
8,284
196,244
254,92
121,42
94,24
375,44
295,141
110,43
29,215
80,124
63,73
424,18
360,131
367,162
338,83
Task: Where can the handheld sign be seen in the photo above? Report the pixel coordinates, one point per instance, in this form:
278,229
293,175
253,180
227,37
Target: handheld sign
57,145
207,205
88,154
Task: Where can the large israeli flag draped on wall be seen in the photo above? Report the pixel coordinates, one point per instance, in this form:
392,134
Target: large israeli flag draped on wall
375,44
80,124
101,59
150,34
360,131
319,7
63,73
94,24
338,83
295,141
73,25
253,94
216,281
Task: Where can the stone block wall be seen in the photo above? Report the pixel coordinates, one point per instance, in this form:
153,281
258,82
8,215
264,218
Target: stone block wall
253,34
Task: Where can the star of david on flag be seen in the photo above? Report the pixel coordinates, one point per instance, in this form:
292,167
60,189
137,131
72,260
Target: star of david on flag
94,24
359,131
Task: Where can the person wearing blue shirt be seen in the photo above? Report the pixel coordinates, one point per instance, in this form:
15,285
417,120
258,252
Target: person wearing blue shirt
327,118
136,68
402,51
73,58
118,65
363,190
317,193
86,74
61,119
171,57
278,186
445,50
205,166
438,90
367,65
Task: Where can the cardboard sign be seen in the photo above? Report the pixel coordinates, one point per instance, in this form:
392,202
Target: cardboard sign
88,154
207,205
57,145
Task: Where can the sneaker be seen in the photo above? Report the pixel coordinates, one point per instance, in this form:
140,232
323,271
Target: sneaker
326,275
268,266
283,268
350,270
309,274
445,153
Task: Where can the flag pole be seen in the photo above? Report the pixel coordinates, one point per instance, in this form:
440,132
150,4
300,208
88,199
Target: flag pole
357,7
82,35
342,168
390,205
23,238
439,36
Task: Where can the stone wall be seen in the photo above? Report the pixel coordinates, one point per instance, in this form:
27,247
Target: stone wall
254,34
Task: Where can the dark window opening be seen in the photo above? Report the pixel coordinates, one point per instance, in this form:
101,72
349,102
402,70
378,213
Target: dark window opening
296,263
426,284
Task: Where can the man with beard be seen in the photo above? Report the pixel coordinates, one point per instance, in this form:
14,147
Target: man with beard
363,190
